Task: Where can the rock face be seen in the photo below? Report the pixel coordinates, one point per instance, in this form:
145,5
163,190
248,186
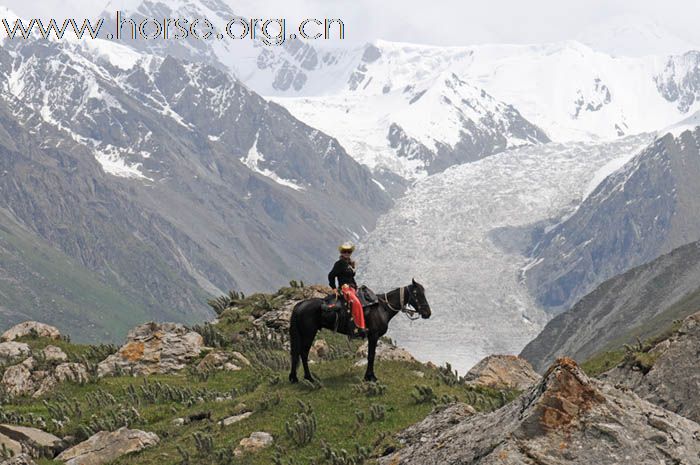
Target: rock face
503,372
661,291
154,348
384,352
673,380
105,447
31,328
564,419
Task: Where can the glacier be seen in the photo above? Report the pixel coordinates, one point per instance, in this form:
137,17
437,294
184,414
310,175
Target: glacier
440,233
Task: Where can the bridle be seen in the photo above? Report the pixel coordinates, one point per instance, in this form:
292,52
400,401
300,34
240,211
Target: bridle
411,314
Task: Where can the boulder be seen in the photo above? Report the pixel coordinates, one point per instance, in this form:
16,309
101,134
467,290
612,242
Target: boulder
31,328
255,442
21,459
105,447
17,381
44,382
34,439
154,348
10,444
565,419
13,351
384,352
503,372
73,372
235,419
320,349
218,360
240,358
435,424
673,380
54,354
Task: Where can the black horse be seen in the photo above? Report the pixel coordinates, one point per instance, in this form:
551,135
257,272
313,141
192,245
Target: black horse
307,320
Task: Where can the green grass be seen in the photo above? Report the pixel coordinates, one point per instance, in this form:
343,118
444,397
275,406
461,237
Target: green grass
342,405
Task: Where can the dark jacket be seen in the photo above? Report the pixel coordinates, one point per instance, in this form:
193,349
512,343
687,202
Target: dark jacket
344,272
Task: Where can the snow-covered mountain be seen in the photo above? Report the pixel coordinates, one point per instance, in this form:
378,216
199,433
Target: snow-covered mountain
164,181
454,233
567,89
412,110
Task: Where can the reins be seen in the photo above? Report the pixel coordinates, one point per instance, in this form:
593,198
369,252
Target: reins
410,314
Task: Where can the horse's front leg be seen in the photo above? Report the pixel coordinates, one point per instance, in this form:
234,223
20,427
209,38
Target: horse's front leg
371,352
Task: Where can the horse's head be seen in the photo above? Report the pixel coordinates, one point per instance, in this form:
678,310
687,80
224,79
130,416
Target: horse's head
417,299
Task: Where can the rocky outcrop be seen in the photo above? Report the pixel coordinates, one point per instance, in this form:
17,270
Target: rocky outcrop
673,379
566,418
503,372
385,352
279,319
154,348
31,328
105,447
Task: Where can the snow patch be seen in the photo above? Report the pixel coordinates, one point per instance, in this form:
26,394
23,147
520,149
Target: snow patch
252,160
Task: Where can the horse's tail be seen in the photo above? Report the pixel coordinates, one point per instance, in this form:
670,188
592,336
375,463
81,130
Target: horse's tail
295,335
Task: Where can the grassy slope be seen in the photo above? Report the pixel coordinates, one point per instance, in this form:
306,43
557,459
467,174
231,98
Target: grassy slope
651,332
68,295
264,390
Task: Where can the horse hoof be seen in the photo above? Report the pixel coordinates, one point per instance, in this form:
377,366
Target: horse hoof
293,379
371,379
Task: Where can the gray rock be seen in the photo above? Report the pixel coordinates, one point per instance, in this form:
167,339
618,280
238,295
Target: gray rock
54,354
154,348
11,351
17,381
385,352
503,372
235,419
30,328
11,444
105,447
21,459
673,380
33,437
564,419
72,372
255,442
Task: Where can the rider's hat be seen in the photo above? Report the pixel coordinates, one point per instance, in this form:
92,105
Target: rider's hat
346,247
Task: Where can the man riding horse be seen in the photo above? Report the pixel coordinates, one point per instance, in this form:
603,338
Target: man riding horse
344,271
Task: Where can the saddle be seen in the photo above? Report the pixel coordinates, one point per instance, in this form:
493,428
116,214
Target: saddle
366,295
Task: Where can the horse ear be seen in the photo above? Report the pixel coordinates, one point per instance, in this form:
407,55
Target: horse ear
414,281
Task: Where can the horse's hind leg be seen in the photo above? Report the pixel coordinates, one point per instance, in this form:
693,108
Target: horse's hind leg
305,357
293,374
